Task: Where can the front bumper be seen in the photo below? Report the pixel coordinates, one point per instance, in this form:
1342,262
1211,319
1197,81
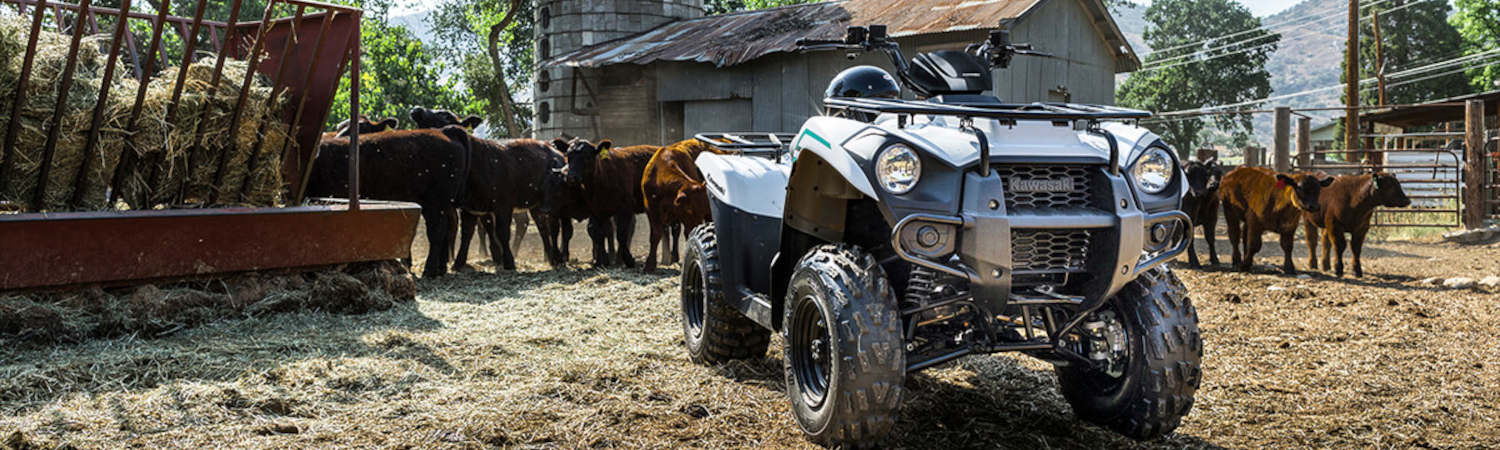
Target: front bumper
1078,255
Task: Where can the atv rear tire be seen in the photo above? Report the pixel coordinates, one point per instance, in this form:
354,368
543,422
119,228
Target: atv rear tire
843,356
1156,387
715,331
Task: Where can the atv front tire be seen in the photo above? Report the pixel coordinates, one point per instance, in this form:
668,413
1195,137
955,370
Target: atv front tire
1155,389
714,330
843,356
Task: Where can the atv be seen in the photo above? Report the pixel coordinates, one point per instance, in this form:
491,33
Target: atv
890,236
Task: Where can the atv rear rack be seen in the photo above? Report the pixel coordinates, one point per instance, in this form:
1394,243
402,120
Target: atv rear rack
749,143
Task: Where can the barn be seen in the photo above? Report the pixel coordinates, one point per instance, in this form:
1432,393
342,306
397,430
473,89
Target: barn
653,72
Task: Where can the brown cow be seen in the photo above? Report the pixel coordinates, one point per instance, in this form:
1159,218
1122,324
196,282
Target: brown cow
611,182
1347,207
674,194
426,167
1260,200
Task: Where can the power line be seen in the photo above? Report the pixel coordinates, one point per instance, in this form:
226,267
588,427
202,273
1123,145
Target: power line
1158,64
1402,74
1262,27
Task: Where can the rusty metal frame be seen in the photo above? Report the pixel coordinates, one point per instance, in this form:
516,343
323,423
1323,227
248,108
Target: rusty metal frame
80,248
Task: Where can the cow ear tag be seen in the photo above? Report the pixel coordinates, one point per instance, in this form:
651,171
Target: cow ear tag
603,153
1280,184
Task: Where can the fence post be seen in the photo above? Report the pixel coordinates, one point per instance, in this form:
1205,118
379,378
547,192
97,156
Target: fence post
1283,145
1254,156
1304,141
1474,167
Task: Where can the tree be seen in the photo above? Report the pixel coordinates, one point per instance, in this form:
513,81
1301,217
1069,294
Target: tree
1417,35
1478,22
1207,73
397,73
463,27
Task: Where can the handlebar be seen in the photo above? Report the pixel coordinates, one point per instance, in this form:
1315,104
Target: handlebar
815,42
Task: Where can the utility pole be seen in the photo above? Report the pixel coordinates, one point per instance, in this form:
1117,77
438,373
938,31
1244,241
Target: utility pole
1379,55
1351,77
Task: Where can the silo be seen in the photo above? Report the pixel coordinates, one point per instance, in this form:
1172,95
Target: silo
566,98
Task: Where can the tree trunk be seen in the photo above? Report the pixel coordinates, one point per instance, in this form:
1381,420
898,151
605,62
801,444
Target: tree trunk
507,103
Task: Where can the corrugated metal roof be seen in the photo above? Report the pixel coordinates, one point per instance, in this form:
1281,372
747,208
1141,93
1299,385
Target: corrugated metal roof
731,39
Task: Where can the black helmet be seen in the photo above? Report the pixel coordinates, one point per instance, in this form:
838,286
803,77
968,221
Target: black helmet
863,81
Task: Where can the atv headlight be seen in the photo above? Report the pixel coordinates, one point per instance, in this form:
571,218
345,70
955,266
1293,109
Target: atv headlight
897,169
1153,171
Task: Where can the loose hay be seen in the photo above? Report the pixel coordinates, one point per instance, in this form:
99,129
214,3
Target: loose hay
151,311
187,148
575,359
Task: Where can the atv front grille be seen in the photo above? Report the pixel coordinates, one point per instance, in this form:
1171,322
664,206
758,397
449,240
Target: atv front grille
1045,187
1042,252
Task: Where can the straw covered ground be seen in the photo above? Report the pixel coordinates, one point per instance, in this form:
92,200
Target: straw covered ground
584,358
184,149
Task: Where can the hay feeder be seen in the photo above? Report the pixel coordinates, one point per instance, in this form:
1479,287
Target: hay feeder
138,145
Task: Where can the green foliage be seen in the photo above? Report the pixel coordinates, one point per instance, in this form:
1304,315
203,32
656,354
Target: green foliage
461,29
1478,22
1415,36
1206,74
728,6
397,73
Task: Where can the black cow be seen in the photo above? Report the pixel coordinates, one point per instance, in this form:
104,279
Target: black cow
435,118
1201,203
426,167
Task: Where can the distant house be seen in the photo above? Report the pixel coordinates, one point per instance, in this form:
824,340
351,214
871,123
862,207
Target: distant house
681,73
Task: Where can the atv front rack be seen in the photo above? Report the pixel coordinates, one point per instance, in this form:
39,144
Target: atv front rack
1003,111
748,143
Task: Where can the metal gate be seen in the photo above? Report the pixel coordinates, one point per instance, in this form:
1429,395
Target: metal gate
1430,167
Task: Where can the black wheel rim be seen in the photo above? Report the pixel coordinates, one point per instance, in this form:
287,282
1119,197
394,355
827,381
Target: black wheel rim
811,355
694,299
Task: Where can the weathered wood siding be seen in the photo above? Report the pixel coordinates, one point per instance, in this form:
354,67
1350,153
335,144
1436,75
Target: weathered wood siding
668,101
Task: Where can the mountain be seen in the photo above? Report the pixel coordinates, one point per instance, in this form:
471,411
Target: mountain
1308,57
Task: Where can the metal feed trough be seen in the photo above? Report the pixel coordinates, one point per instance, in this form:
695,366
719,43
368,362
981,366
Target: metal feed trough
303,55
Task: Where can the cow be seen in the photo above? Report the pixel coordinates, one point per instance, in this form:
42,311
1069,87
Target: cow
611,182
1257,200
1347,207
563,203
426,167
505,177
1201,203
365,127
674,196
431,118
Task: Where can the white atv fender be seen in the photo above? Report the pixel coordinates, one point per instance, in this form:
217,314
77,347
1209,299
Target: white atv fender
757,185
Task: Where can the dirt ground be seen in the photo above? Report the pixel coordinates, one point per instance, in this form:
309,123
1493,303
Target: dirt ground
593,358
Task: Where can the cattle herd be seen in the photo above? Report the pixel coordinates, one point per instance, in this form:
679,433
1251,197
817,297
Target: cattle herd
1257,200
463,182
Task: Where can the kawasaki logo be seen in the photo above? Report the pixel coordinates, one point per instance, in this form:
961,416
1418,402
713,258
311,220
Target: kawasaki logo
1042,185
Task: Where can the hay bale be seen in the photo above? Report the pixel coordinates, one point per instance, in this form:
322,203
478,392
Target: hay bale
186,149
35,114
